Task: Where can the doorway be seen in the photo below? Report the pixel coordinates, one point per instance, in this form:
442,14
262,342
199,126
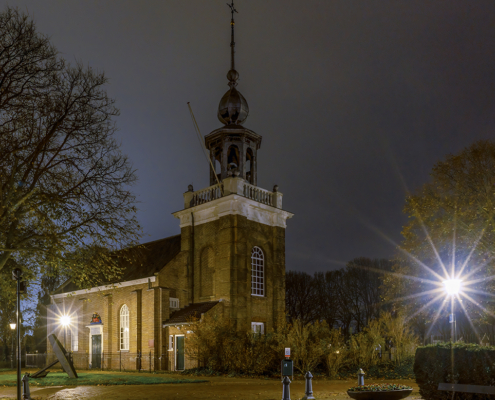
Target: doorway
179,343
96,351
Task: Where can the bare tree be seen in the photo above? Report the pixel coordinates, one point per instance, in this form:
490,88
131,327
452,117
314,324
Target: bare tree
300,299
64,183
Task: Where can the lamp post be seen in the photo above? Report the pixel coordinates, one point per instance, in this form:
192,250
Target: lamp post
452,287
21,288
12,327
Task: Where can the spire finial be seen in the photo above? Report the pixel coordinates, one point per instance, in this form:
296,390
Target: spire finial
233,74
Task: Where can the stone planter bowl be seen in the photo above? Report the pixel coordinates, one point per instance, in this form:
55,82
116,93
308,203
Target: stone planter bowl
380,395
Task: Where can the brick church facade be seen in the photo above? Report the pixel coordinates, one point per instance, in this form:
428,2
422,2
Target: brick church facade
229,259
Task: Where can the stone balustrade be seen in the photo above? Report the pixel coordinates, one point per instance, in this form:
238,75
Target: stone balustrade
233,185
257,194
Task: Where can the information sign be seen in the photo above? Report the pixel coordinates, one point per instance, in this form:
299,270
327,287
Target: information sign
287,352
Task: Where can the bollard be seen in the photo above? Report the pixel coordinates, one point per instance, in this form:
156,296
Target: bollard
25,387
286,388
308,393
360,377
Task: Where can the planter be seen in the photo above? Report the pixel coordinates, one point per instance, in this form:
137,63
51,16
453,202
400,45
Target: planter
380,394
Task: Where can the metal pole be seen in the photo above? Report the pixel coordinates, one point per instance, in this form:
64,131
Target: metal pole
12,352
18,337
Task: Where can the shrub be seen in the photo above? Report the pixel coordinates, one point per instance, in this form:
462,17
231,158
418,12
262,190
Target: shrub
458,363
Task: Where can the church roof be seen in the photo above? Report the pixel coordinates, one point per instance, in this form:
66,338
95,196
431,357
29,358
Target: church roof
150,258
185,315
147,259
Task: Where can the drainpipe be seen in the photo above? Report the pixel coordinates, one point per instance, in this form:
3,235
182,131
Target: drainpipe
192,257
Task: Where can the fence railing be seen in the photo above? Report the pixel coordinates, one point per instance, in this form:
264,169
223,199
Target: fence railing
122,361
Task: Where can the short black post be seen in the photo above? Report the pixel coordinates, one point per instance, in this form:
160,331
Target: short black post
308,393
25,387
286,388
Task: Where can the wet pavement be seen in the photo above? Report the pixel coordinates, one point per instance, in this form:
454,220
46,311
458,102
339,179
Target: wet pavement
218,388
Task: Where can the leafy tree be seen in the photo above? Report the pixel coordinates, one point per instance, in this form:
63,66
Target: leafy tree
450,231
64,183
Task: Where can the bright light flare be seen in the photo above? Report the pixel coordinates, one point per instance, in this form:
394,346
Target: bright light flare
452,286
12,326
65,320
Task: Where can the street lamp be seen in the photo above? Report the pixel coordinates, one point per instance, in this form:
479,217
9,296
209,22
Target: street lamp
452,287
65,321
12,327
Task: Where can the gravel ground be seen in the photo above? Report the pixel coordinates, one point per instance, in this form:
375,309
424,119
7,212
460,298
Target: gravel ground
218,388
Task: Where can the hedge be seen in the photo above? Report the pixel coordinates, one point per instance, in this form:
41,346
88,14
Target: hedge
473,365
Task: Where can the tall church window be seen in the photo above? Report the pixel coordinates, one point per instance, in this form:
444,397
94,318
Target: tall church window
74,333
257,272
124,328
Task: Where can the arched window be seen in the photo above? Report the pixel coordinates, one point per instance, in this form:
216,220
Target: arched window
74,333
124,328
249,165
257,272
233,158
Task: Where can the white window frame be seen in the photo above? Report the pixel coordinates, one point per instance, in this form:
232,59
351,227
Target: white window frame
171,342
174,302
124,328
257,272
258,327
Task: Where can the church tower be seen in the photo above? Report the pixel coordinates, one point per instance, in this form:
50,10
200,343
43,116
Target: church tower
233,232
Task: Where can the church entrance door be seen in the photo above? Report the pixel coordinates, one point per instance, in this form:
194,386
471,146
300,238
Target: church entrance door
180,352
96,351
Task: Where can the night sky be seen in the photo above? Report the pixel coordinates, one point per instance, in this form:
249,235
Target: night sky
355,100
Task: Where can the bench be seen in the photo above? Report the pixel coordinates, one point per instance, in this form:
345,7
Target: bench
478,389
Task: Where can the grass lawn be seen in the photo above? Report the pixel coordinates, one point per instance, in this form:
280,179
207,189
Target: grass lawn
91,379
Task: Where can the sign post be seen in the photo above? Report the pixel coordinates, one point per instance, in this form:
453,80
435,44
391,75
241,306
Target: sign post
286,370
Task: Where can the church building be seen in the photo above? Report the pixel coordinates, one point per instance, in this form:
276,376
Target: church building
229,259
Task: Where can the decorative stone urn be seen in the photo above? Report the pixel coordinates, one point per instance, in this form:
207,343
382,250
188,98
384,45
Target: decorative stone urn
383,391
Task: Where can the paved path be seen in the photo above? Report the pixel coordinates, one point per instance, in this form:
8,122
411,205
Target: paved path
218,388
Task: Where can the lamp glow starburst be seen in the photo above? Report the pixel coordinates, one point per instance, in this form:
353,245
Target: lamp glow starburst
65,320
452,286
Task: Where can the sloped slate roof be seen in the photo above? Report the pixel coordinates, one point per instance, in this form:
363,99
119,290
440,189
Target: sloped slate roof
191,311
147,259
150,258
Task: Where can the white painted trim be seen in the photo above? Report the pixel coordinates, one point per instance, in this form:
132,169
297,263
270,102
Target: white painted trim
106,287
231,205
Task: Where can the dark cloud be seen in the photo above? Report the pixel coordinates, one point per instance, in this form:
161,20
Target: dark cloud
355,101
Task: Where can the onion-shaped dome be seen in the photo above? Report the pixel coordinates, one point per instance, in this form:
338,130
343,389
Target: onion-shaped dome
233,107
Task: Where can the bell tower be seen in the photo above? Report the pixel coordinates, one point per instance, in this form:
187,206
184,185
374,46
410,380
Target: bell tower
233,148
233,232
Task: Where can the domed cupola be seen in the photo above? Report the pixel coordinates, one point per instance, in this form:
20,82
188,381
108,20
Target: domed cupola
233,108
233,148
